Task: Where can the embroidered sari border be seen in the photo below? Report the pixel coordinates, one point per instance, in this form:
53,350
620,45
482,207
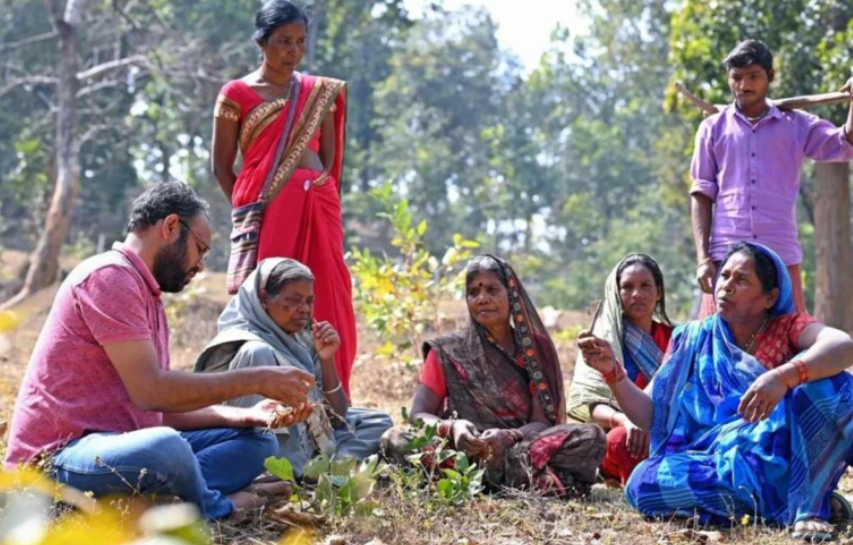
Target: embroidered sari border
317,106
226,108
259,119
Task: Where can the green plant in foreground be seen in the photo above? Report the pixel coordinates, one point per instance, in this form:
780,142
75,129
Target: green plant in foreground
343,485
400,298
456,479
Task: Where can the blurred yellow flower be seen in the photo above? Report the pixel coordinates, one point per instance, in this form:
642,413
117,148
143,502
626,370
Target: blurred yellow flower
8,320
299,536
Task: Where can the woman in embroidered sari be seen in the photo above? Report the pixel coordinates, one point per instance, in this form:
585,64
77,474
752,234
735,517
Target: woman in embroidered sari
751,412
269,323
495,390
289,128
633,320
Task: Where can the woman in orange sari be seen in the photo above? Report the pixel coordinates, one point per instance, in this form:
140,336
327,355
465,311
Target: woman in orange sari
289,128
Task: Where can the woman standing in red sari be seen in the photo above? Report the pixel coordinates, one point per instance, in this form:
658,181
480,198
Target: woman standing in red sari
289,128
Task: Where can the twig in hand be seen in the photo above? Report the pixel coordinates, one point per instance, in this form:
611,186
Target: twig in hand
281,414
595,310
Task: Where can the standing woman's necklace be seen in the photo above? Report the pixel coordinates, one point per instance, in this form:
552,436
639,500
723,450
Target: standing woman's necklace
288,86
755,334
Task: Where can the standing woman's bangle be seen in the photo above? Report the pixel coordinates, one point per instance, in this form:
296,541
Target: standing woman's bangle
335,389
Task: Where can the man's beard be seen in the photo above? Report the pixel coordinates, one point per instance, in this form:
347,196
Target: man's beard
170,266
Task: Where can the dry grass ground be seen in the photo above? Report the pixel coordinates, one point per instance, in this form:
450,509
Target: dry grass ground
525,519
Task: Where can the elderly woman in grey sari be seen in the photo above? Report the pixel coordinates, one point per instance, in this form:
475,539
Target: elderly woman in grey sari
269,322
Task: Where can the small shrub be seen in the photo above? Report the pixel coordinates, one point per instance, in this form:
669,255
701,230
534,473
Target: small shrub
399,298
447,474
344,486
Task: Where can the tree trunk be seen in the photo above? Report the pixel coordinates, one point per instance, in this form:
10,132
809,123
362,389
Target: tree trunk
44,261
317,15
833,256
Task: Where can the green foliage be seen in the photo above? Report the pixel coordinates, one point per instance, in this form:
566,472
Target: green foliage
280,467
459,486
438,472
400,298
343,485
571,164
445,91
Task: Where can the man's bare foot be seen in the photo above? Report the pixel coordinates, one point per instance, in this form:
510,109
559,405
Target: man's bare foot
258,496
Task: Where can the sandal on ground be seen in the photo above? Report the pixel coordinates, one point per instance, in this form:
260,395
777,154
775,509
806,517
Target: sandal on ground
814,531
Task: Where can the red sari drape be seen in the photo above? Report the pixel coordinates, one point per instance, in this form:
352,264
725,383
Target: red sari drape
618,463
302,219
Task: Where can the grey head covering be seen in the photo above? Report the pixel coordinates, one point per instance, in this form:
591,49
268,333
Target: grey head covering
248,337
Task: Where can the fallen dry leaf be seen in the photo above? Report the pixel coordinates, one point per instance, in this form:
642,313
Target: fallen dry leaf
464,541
688,535
289,515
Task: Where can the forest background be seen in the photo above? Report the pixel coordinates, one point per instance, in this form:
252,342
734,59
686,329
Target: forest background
562,167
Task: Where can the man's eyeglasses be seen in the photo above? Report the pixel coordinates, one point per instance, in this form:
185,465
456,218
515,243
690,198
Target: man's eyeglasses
204,248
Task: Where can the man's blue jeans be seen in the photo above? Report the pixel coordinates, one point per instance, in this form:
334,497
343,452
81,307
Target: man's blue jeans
200,466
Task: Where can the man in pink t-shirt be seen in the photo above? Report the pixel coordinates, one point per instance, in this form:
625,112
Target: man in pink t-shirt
99,406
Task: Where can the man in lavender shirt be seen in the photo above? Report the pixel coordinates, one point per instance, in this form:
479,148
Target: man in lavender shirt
99,407
747,160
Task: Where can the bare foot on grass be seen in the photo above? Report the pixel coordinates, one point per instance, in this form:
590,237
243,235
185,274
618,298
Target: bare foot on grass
256,497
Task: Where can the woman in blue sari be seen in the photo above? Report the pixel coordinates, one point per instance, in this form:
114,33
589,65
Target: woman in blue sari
751,412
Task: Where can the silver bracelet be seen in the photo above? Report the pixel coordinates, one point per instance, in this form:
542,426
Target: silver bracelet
335,389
